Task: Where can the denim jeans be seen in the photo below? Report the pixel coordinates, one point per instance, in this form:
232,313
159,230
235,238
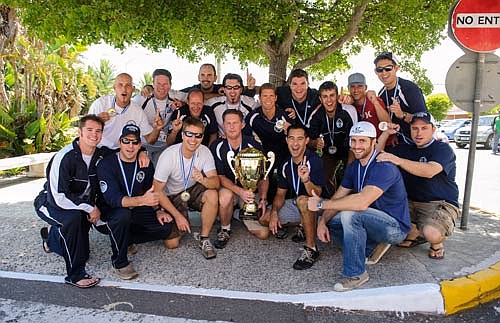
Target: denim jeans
495,142
359,232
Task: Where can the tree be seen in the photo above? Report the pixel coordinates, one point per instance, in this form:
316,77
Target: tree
438,104
103,76
319,35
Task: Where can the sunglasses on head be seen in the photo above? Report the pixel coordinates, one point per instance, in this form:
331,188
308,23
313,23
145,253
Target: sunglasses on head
127,141
195,134
235,87
380,69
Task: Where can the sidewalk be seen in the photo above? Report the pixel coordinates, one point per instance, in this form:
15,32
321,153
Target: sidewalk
404,280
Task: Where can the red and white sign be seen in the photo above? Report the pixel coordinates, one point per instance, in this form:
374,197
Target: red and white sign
476,24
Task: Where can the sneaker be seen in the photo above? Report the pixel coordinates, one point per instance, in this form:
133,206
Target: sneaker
207,250
307,259
347,283
132,249
222,238
299,236
377,254
128,272
44,233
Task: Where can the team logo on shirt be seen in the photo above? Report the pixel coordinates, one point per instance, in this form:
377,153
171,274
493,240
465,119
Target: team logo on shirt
104,186
140,176
204,122
423,159
339,123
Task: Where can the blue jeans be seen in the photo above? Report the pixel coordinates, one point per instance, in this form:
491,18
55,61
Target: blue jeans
495,141
359,232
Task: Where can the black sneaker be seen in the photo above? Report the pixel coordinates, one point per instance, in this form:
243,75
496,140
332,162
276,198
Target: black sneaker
299,236
222,238
307,259
44,233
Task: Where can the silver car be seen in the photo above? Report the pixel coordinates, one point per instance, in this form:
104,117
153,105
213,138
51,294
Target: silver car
484,133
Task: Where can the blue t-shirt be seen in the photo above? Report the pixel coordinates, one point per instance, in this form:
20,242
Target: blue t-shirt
287,174
440,187
410,99
385,176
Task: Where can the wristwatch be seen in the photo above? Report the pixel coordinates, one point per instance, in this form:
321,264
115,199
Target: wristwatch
320,204
404,116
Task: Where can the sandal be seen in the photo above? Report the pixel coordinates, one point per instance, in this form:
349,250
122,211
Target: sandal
282,233
436,255
92,283
44,233
413,242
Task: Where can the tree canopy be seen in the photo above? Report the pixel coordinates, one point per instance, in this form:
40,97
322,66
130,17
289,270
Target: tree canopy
318,35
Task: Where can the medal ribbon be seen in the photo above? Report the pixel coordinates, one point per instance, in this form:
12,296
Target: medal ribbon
360,184
184,178
129,190
331,132
297,112
114,105
396,89
296,184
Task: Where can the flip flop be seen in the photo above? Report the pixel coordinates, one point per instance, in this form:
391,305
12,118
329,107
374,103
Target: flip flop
87,276
436,256
413,243
44,233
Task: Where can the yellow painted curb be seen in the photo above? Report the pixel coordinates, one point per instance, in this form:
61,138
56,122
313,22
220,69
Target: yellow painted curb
470,291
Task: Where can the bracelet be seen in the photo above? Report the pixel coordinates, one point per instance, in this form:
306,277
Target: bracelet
307,181
159,208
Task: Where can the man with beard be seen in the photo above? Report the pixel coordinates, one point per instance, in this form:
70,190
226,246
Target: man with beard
369,209
232,99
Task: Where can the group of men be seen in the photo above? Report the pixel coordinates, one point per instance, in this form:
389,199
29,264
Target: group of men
359,168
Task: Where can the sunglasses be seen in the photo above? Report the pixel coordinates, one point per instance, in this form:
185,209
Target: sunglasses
195,134
127,141
229,87
380,69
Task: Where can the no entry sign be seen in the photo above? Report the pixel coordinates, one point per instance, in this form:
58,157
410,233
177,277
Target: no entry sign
476,24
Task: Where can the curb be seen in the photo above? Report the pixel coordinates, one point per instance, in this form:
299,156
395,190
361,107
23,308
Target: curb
472,290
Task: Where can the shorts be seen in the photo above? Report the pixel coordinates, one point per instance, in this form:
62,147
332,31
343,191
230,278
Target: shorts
195,202
289,212
438,214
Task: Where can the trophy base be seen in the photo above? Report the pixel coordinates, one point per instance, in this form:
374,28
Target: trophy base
250,211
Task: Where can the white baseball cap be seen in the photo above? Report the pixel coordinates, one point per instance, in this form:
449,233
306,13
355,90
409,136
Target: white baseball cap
363,128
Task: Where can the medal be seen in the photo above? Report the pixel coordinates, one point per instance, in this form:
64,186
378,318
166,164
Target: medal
279,126
112,112
185,196
332,150
382,126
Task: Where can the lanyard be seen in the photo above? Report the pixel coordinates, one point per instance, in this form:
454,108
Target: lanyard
231,148
129,190
297,111
184,178
124,109
396,90
361,183
331,132
295,181
238,108
168,109
363,109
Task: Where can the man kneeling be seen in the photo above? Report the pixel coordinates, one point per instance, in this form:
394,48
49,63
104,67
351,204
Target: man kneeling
130,207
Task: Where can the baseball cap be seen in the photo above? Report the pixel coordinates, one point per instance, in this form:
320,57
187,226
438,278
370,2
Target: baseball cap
131,129
363,128
386,55
356,78
424,116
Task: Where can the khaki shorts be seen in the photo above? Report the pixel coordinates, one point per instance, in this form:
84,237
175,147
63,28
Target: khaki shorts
195,202
439,214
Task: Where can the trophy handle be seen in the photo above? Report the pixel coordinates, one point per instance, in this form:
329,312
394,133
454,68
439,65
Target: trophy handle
230,158
270,159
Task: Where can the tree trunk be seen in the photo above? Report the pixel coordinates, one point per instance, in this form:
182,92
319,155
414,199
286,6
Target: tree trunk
277,69
8,32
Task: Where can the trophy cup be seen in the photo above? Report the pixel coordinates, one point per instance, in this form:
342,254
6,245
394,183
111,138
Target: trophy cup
249,168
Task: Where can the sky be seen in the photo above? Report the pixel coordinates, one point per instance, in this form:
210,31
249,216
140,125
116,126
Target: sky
137,60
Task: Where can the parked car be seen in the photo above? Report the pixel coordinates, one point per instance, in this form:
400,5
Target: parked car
451,127
484,133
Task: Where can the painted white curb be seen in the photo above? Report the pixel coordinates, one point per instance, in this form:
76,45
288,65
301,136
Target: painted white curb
422,298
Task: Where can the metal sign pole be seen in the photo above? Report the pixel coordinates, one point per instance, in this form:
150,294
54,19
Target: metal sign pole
480,60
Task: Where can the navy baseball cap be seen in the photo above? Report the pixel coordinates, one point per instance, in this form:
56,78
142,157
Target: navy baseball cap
386,55
424,116
131,129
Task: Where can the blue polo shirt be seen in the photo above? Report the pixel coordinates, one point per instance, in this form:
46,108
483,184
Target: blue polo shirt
387,177
440,187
